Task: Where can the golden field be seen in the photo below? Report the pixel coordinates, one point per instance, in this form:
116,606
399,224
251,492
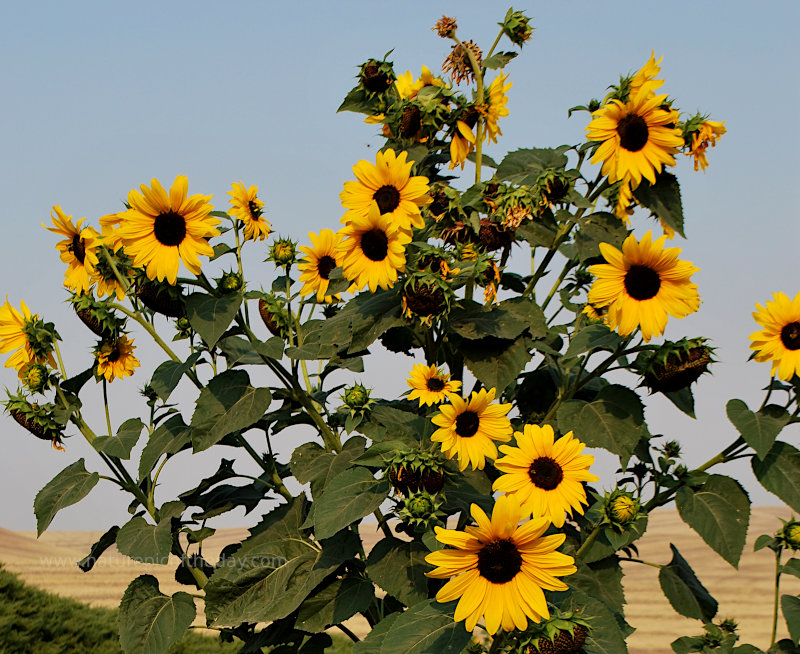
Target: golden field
745,595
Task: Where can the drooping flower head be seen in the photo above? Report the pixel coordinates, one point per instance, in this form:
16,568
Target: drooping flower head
544,474
468,429
372,249
500,568
643,285
247,207
30,339
162,229
115,359
320,259
390,185
77,250
706,135
779,340
496,106
430,385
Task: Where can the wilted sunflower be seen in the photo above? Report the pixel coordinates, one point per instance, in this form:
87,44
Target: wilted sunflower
500,568
390,185
636,138
14,329
544,474
431,385
162,229
779,341
320,259
115,359
246,206
77,250
468,429
372,250
642,285
707,135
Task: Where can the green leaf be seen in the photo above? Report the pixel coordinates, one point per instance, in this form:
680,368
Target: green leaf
499,59
148,543
684,591
170,437
779,473
600,227
168,374
391,423
525,165
496,362
663,199
227,404
601,580
240,351
399,568
426,628
759,430
507,320
75,384
609,629
593,337
335,603
374,641
790,606
326,467
121,445
784,646
103,543
683,399
763,541
348,497
210,316
614,421
151,622
69,486
792,567
688,644
719,511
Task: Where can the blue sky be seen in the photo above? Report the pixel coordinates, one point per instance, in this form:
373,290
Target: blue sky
100,97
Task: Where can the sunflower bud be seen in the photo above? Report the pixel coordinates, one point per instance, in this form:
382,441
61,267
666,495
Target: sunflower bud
420,512
789,535
283,252
230,282
356,397
516,27
622,508
36,377
675,366
445,27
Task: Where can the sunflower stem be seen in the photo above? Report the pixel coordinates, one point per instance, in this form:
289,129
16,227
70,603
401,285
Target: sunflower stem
643,562
569,265
235,222
347,632
588,542
105,404
268,469
382,523
494,45
135,315
777,597
110,260
478,74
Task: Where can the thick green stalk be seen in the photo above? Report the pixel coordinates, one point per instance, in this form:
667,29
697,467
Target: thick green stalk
777,597
588,542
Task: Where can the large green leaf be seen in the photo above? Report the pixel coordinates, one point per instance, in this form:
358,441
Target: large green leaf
614,421
348,497
240,351
601,580
600,227
524,166
664,199
759,430
790,607
507,320
148,543
684,590
326,466
120,445
426,628
779,473
151,622
101,545
335,603
169,437
496,362
609,628
227,404
593,337
69,486
168,374
210,316
391,423
399,568
719,511
374,641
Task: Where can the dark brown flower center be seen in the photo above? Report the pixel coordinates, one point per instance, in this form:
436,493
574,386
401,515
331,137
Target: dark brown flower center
255,210
790,336
545,473
374,79
170,228
642,282
375,244
78,248
388,198
435,384
632,132
499,561
114,355
326,264
410,122
467,424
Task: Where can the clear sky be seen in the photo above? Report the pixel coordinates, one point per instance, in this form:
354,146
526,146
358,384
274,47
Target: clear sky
100,97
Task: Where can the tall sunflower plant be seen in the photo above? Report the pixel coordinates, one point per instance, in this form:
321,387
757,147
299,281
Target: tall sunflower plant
493,533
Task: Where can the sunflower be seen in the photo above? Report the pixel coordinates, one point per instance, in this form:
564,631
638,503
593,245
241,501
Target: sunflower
779,341
322,257
497,106
162,229
372,250
545,475
636,137
647,76
642,285
115,359
389,184
77,250
500,568
431,385
705,136
250,210
461,144
469,428
15,330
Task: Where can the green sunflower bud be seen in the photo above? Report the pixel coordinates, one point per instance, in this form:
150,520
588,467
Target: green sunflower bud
356,397
230,282
789,535
420,512
621,509
283,252
516,26
37,377
416,470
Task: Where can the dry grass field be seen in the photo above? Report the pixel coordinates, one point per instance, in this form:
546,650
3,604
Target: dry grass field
746,594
